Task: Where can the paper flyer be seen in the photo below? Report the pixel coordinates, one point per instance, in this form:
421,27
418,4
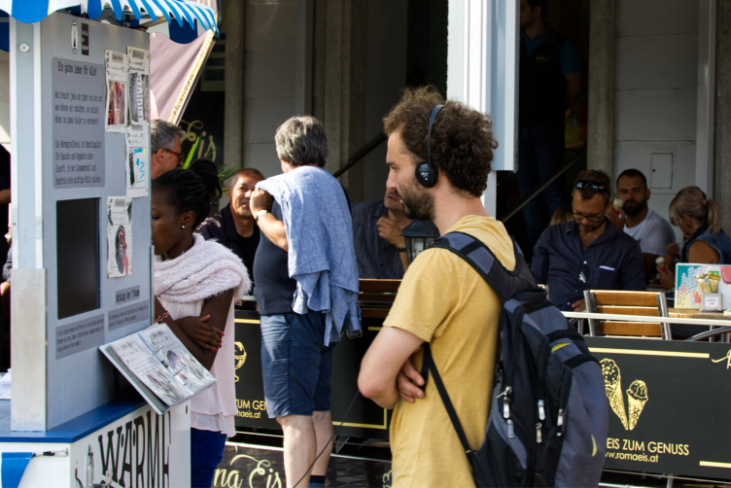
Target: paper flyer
157,359
116,72
137,164
155,376
119,236
176,358
138,85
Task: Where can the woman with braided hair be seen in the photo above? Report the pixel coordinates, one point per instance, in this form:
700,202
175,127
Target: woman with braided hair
196,282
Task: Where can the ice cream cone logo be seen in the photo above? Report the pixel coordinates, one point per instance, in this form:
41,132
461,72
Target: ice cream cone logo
613,388
636,399
240,357
636,394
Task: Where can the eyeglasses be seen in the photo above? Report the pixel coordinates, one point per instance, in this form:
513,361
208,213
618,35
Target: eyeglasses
584,184
178,154
591,218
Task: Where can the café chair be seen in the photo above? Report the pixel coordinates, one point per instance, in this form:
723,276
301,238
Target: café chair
640,303
376,297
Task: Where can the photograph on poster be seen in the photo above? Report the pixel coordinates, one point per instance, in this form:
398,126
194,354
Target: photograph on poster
138,84
116,74
139,96
119,236
137,162
116,104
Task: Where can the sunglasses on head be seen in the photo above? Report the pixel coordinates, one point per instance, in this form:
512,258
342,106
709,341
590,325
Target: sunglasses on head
584,184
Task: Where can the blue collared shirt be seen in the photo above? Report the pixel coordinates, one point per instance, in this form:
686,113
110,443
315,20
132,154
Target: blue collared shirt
612,262
377,258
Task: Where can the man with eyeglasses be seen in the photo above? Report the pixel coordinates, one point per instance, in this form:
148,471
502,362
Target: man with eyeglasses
588,253
166,153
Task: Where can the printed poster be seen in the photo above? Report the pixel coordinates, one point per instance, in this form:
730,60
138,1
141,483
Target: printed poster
116,107
137,164
690,279
119,236
138,85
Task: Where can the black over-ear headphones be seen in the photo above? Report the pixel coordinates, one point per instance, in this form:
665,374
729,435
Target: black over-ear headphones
426,174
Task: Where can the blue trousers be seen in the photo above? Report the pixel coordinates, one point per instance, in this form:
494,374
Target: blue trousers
540,154
206,451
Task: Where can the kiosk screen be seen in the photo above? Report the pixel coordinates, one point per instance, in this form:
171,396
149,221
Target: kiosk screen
77,234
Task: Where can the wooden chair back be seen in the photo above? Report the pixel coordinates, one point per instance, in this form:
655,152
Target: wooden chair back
376,297
641,303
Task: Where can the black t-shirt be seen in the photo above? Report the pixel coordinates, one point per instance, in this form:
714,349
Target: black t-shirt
222,228
275,289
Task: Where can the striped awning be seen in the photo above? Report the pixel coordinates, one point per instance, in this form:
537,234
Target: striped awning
183,20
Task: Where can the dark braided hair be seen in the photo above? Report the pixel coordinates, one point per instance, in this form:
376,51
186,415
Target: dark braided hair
191,190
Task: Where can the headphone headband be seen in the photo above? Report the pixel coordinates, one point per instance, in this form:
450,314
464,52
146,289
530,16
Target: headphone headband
433,116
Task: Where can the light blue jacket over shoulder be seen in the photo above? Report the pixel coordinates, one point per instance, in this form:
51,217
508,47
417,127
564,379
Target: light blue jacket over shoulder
321,255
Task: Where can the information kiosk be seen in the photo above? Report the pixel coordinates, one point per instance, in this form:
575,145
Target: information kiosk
80,118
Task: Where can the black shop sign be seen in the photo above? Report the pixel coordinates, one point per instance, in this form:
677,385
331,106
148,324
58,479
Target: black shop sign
669,406
365,420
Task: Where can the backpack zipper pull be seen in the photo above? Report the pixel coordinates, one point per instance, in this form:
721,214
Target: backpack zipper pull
541,410
511,429
539,433
559,422
506,401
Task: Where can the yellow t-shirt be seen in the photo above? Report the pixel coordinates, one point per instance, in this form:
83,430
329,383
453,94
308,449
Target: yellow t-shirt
443,301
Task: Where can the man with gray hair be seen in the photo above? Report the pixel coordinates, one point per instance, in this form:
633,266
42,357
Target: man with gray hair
306,278
166,151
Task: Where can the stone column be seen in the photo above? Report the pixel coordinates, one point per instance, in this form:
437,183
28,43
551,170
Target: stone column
233,123
722,156
343,86
602,43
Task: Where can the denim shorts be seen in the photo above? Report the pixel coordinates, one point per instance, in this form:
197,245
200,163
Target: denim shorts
296,366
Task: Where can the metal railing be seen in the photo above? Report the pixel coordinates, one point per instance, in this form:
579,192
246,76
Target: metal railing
361,153
544,185
719,326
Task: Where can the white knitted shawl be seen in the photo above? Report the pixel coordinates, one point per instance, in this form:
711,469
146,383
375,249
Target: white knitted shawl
207,269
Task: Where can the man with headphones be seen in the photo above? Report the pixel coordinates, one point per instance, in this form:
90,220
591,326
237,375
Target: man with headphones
439,156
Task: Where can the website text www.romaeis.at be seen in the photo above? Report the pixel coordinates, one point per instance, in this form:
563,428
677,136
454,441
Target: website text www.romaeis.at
646,452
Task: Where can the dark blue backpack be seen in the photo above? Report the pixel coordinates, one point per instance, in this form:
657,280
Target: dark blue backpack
549,417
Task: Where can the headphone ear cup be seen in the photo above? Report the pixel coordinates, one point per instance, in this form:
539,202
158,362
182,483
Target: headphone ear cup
426,175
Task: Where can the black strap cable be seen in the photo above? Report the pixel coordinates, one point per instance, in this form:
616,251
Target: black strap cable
357,393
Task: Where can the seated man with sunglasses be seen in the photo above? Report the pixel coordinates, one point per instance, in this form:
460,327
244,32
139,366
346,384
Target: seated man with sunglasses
166,154
588,253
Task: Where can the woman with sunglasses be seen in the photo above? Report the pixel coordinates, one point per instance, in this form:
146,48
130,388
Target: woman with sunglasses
699,219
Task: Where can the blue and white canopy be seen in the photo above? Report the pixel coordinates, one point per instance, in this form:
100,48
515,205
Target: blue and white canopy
184,20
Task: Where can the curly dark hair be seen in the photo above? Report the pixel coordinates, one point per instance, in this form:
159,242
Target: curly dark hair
193,189
462,142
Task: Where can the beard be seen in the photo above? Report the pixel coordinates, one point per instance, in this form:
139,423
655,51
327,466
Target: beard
417,203
633,207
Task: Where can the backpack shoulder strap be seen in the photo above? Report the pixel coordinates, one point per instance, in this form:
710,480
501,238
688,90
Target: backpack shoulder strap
428,365
505,283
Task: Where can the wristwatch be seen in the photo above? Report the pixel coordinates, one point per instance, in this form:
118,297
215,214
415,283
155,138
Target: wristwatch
259,214
402,249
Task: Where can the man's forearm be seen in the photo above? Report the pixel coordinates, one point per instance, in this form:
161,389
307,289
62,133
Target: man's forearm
387,399
274,230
